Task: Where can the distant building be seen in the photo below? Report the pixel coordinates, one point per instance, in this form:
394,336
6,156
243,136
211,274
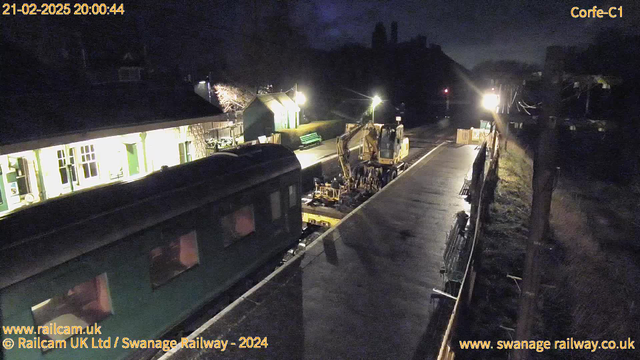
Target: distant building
269,113
394,33
55,144
379,37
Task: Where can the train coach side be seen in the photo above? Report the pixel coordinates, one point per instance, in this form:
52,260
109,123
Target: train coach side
137,258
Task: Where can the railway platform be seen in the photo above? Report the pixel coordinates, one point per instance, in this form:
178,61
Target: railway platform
363,289
325,151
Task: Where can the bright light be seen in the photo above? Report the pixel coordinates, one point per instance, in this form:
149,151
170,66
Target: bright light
490,102
446,91
376,101
300,98
202,82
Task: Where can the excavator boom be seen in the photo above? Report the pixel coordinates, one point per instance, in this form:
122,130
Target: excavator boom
343,148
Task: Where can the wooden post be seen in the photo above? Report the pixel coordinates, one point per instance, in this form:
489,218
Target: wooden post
477,177
506,137
494,132
543,176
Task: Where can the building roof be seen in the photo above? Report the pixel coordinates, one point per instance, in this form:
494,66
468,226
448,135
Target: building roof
276,102
40,116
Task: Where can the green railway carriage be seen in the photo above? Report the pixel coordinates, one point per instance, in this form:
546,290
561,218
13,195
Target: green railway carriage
138,258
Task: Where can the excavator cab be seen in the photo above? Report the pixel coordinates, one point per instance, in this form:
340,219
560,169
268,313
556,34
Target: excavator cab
393,146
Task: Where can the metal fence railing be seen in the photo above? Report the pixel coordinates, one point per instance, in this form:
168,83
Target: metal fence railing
485,168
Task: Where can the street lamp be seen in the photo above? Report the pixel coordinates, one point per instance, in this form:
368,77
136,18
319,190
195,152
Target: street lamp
446,96
300,98
375,102
490,102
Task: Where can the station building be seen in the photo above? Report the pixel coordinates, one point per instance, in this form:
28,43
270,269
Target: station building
56,144
269,113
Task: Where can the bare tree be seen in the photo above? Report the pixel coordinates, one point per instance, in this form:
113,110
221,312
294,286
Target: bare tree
199,133
232,98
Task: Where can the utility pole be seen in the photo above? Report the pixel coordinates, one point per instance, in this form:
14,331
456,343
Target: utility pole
543,178
298,114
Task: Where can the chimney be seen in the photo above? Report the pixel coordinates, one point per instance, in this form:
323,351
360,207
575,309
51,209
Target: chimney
394,33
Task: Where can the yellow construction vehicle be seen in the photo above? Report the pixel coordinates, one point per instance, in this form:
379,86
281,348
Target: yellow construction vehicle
381,166
381,159
334,192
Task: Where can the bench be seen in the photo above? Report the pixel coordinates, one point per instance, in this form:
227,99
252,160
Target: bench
310,139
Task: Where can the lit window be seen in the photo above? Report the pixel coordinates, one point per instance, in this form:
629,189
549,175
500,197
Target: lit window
275,205
170,260
22,176
88,161
293,198
81,306
238,224
66,166
185,151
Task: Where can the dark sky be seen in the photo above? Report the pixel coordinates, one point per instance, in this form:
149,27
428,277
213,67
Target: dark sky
469,31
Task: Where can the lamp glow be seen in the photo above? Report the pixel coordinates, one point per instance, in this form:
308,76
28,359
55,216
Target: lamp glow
376,101
490,102
300,98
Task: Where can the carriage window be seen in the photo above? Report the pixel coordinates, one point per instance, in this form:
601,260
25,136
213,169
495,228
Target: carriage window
170,260
79,307
238,224
275,206
292,196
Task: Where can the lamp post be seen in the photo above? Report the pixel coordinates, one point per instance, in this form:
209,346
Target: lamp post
375,102
446,97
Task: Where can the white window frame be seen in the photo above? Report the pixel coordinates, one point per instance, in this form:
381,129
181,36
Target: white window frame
86,158
68,160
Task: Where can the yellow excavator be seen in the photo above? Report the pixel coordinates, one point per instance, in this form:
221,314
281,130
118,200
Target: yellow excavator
381,159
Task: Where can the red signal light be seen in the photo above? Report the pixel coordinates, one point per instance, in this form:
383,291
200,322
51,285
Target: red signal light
446,91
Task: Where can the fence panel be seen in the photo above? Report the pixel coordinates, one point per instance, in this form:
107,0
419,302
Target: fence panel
485,168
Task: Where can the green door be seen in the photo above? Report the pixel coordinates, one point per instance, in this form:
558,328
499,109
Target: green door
3,198
132,159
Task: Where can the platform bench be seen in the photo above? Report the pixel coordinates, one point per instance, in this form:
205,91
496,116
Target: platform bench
310,139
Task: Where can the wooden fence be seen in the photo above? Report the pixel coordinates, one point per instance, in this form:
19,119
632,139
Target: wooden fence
472,136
